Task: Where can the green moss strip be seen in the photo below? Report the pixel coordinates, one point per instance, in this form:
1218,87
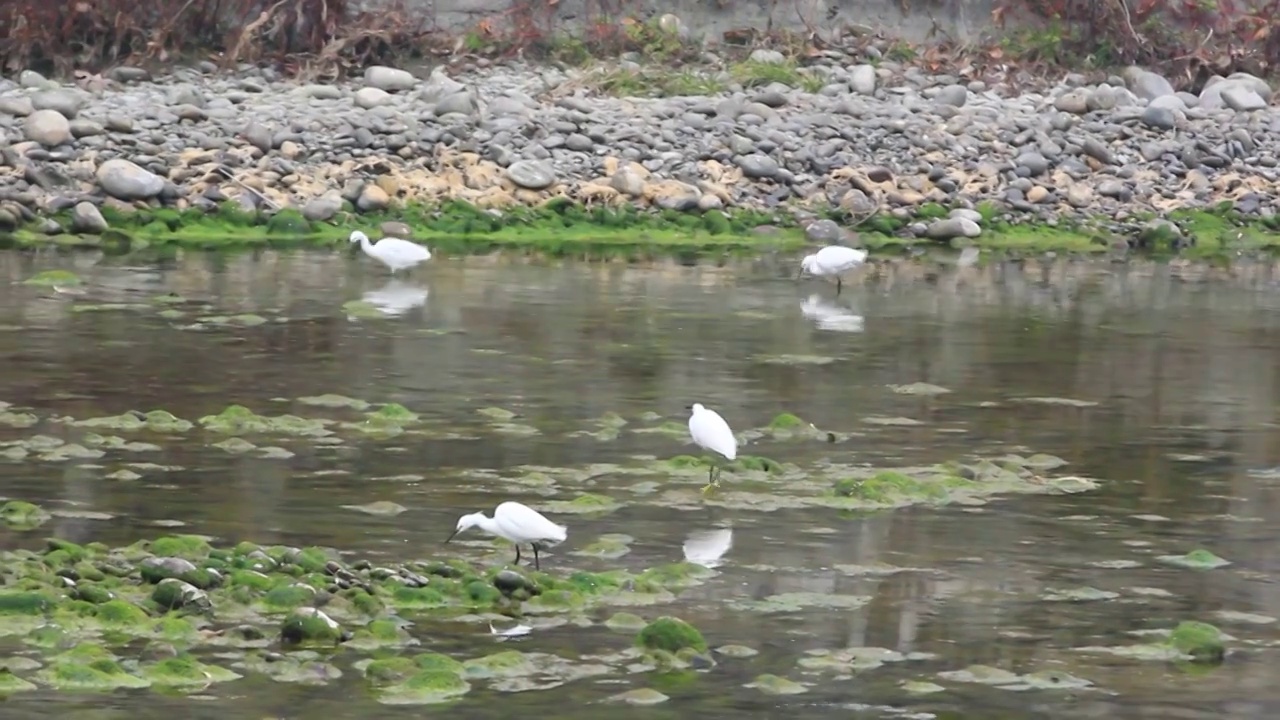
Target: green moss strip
563,227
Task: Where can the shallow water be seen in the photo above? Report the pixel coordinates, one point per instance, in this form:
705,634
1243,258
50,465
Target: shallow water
1173,370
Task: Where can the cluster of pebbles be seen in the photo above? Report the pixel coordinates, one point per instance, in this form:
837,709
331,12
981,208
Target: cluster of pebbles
869,139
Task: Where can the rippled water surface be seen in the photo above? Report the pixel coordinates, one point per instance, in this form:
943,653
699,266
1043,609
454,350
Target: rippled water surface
1161,384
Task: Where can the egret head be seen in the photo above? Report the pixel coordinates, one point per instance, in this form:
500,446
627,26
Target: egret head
357,236
696,408
466,522
807,265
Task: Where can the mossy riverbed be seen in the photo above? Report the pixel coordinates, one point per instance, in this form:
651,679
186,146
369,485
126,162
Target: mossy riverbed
562,227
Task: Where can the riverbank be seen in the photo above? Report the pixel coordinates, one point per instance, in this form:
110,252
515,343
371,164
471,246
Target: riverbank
763,153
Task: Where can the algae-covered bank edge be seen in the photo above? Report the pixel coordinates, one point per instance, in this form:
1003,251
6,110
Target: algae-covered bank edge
564,226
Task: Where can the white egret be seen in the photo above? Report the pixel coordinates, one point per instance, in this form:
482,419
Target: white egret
832,260
711,432
518,523
395,253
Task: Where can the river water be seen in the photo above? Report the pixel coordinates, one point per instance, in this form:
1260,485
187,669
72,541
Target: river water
1164,386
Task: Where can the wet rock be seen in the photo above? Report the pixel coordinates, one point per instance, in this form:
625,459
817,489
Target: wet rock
510,583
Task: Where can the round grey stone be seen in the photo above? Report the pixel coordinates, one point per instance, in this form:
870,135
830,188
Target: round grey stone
758,166
532,174
124,180
47,127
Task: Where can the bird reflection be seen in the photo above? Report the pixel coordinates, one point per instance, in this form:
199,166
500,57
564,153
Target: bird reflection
708,547
396,297
827,315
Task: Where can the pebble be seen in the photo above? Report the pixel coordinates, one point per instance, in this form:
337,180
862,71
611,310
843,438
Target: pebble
873,138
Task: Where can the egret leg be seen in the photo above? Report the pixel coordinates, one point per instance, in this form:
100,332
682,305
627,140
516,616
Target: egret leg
517,553
839,285
713,478
536,565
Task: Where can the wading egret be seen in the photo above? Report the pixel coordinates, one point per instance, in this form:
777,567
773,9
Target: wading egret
395,253
711,432
517,523
832,260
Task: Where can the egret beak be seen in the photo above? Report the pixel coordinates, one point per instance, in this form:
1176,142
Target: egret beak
451,536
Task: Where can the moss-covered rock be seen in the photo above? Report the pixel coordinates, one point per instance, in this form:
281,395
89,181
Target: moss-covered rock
19,515
88,667
670,634
184,671
309,626
23,602
1202,641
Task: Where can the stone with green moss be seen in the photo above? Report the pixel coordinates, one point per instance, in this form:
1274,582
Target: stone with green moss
88,667
310,626
20,515
509,663
24,602
54,278
670,634
11,683
175,594
1202,641
185,671
425,687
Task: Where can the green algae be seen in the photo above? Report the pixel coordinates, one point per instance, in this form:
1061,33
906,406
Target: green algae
775,685
1198,559
563,227
584,504
54,278
240,420
10,683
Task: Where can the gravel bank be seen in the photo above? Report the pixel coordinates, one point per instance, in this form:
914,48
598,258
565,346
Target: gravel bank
884,140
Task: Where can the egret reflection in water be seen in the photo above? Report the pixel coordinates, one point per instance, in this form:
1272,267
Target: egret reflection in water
396,297
828,315
708,547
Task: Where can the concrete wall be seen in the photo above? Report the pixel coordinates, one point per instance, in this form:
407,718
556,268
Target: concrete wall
914,20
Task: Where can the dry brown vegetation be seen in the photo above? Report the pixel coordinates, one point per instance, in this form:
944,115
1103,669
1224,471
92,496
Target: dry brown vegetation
1186,39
